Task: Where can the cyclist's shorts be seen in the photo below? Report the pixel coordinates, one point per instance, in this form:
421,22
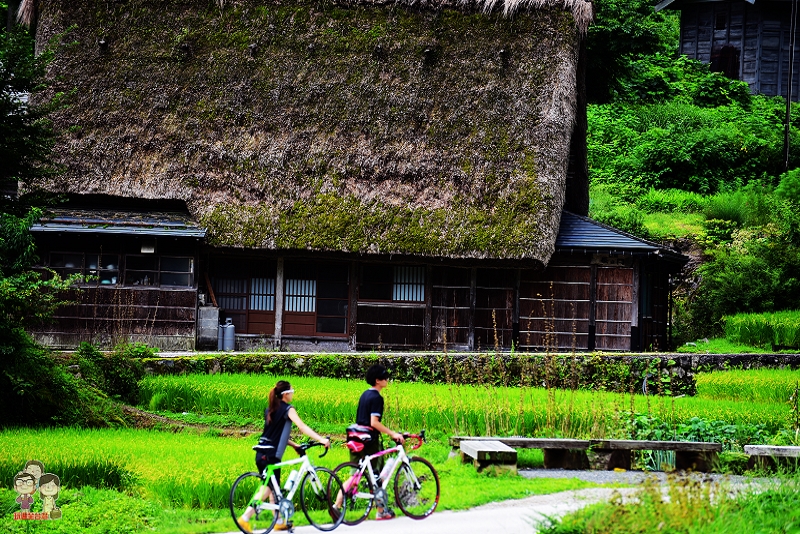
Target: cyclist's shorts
263,460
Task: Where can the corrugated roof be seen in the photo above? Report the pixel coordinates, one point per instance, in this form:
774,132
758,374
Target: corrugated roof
584,234
119,222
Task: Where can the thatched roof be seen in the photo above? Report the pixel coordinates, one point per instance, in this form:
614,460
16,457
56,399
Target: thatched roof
429,128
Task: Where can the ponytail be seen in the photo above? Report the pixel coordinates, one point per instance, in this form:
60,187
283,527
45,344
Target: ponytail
275,397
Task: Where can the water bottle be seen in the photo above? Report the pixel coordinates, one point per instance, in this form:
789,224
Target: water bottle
290,481
387,468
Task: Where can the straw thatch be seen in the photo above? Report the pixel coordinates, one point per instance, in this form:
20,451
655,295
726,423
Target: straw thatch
318,125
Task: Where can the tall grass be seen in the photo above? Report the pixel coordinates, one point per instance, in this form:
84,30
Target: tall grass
450,409
692,506
752,385
764,329
671,200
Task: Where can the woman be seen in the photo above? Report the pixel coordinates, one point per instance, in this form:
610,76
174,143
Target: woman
278,419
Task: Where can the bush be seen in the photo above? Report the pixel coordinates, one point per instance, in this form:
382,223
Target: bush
678,145
117,374
660,78
789,187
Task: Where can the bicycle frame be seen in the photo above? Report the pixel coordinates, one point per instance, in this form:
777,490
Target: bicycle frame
269,476
365,467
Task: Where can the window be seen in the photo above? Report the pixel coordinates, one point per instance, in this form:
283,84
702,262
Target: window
402,283
262,294
721,21
301,295
409,284
316,298
98,268
149,270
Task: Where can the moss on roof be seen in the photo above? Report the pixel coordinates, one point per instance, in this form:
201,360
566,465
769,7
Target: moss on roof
316,125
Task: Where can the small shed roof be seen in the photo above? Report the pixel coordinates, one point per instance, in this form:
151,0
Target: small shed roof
169,224
582,234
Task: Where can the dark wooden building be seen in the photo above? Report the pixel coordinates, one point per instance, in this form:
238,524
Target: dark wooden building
747,40
363,176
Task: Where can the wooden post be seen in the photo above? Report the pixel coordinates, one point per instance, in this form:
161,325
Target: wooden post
635,339
515,314
426,336
352,312
592,306
473,283
279,291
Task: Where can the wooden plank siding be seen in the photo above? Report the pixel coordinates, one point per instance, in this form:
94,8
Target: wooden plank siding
760,34
494,308
613,308
450,307
118,312
554,308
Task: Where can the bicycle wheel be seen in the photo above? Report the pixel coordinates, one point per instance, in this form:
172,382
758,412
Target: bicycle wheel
250,506
359,496
317,495
416,488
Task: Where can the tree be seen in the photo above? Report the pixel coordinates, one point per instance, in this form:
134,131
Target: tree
34,389
624,31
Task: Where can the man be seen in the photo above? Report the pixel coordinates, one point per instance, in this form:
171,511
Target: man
370,413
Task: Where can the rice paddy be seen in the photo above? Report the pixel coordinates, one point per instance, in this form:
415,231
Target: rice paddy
459,409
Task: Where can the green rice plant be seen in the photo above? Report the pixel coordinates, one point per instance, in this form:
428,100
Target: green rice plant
778,329
452,409
751,385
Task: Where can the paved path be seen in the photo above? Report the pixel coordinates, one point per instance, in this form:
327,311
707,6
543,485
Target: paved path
508,517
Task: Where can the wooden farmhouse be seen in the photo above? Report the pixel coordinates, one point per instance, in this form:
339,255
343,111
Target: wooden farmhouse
746,40
335,175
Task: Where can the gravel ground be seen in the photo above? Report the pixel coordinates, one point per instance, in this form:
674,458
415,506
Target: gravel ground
630,477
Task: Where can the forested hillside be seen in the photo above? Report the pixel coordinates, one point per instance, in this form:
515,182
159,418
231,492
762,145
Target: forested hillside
683,155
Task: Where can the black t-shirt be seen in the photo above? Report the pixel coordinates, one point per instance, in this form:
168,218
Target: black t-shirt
370,403
278,429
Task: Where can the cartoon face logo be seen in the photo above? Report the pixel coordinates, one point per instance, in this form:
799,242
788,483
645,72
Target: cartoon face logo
25,484
36,468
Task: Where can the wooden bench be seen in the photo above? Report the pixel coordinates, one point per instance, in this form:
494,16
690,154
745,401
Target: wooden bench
616,453
607,454
558,453
484,453
768,456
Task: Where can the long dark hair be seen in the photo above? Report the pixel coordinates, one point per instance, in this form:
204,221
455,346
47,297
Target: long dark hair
275,397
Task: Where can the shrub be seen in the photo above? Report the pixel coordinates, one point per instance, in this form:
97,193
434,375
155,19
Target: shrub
659,78
789,187
116,374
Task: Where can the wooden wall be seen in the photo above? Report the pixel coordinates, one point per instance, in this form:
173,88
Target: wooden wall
759,33
111,315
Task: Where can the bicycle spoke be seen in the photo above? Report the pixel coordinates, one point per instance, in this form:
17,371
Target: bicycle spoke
318,493
416,488
250,506
359,493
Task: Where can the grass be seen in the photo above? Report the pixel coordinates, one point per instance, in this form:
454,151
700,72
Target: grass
179,482
720,346
661,225
692,507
